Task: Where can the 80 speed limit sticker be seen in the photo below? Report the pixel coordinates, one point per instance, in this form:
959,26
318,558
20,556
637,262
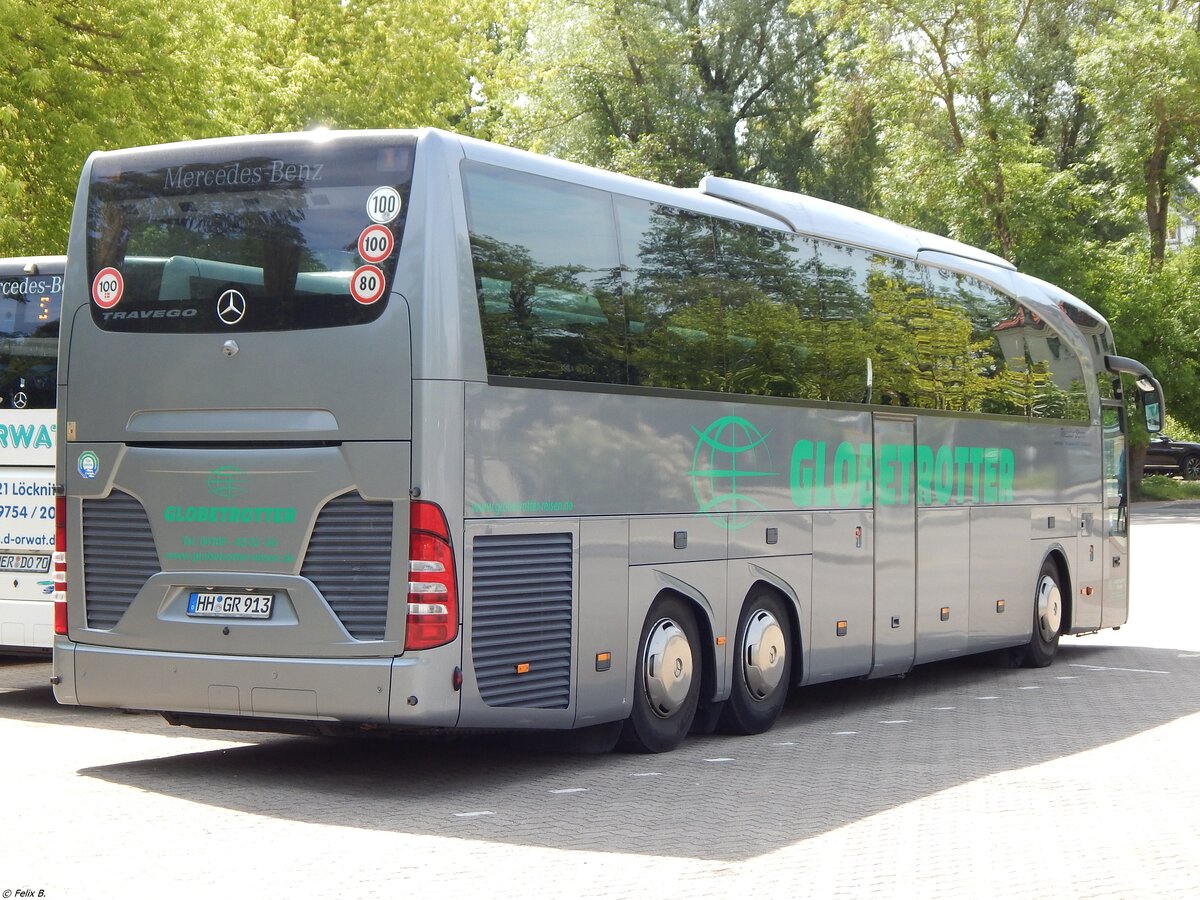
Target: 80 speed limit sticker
366,284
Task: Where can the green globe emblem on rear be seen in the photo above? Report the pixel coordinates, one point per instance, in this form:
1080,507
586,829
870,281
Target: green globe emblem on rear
730,454
226,481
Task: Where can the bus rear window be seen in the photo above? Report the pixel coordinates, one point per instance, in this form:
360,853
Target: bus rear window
303,234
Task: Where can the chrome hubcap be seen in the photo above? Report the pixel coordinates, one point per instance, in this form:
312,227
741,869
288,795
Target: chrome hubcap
1049,608
764,653
668,668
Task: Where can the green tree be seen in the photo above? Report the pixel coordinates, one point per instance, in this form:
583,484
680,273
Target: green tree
959,124
1155,313
291,64
1141,74
79,77
670,89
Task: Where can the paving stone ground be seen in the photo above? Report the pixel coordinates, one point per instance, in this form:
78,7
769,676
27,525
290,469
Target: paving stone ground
961,780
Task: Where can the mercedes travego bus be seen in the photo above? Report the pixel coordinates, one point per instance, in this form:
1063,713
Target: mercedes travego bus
409,430
30,297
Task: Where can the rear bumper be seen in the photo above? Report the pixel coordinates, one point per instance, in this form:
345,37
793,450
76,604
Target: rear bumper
378,691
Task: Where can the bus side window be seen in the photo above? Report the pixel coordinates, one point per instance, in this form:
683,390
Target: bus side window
766,281
1022,366
547,274
672,288
844,342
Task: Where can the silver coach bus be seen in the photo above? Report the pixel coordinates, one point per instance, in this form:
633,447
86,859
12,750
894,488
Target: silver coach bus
405,429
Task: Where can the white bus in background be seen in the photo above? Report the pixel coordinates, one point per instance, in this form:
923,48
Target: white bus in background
30,299
409,430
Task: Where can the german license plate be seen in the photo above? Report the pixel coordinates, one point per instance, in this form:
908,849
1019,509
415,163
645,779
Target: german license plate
230,606
24,562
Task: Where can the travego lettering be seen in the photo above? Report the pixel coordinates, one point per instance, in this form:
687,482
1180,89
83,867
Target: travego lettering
150,314
855,475
229,515
187,178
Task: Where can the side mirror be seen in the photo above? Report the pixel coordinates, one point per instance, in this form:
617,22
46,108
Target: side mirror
1152,410
1150,395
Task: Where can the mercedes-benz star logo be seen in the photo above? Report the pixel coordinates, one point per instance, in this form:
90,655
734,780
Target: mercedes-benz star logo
20,400
231,306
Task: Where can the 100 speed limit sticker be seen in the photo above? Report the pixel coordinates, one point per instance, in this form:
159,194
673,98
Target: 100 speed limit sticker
107,287
375,243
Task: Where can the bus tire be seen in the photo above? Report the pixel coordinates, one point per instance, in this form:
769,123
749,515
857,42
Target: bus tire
1047,619
762,667
666,683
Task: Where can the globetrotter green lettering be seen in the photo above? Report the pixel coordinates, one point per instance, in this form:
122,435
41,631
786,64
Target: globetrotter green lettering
231,514
731,455
853,476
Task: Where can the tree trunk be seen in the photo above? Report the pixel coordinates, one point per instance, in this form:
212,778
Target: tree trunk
1158,197
1137,458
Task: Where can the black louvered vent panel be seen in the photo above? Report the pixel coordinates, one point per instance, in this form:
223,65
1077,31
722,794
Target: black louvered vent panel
521,590
119,556
349,560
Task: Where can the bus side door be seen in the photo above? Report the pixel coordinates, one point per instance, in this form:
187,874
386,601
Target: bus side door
1115,610
895,545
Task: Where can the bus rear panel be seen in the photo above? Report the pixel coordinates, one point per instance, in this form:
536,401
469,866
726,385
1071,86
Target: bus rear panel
238,464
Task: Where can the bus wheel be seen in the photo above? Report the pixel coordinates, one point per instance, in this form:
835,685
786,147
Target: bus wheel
1047,619
666,680
762,670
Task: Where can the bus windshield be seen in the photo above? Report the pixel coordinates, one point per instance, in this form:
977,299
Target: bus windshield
29,309
300,235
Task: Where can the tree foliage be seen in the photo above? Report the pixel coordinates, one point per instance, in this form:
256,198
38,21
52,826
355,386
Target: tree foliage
1140,70
1061,134
672,89
79,77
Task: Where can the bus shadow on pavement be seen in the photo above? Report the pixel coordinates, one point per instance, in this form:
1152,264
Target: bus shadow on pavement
840,752
26,696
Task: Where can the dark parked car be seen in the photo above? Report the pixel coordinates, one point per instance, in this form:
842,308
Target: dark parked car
1170,457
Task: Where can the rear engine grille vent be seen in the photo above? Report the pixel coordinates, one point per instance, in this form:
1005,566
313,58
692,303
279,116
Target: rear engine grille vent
119,556
349,559
521,601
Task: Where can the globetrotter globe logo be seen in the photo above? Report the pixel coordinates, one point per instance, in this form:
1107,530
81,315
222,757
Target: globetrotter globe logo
226,481
730,453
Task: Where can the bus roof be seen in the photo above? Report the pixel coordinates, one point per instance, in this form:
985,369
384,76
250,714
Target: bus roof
725,197
810,215
51,261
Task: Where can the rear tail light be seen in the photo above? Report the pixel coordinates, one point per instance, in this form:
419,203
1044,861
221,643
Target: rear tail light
60,565
432,590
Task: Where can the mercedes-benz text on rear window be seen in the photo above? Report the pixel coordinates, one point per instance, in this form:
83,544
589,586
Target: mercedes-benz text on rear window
295,234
